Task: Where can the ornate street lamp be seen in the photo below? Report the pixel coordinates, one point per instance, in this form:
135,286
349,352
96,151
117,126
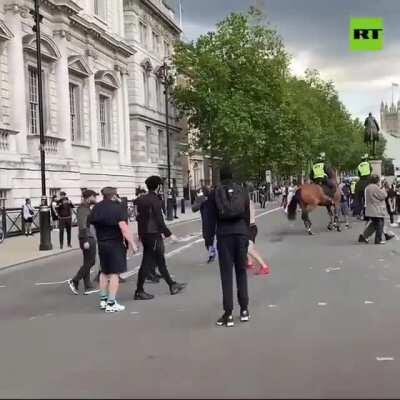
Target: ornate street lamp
44,212
167,80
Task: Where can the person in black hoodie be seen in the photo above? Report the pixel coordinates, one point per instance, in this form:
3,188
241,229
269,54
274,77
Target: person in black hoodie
151,227
230,219
202,204
64,210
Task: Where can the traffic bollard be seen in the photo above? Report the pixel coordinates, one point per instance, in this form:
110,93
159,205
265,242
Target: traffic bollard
183,206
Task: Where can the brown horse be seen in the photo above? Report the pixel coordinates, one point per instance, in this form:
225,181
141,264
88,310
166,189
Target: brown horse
311,195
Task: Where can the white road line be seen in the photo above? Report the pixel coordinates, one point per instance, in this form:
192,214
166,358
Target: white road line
3,286
384,358
50,283
268,212
167,255
368,302
321,304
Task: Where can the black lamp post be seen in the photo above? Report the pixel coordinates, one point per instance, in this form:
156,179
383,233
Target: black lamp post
44,212
167,80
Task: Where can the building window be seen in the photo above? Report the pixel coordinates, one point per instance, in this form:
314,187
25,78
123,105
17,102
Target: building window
143,33
74,97
104,120
161,144
100,9
54,192
3,197
33,101
156,42
146,88
148,142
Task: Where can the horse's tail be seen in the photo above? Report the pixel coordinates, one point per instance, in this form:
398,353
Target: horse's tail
292,207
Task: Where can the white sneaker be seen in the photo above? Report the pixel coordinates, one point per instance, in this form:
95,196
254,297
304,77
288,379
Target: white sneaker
394,225
103,304
114,308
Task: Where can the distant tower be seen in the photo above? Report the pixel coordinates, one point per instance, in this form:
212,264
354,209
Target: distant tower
259,5
390,118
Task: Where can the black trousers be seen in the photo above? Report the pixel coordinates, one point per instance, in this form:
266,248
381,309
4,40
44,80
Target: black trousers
65,223
232,252
153,254
376,225
89,260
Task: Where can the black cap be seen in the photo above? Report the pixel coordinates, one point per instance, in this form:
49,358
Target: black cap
63,193
88,193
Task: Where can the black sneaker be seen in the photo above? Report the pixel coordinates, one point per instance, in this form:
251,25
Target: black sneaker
389,236
177,287
226,320
143,296
244,316
362,239
73,286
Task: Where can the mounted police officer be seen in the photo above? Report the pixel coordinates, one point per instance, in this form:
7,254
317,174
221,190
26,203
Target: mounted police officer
364,171
321,174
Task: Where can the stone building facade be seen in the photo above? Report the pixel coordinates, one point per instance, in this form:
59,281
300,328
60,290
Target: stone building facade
390,118
97,110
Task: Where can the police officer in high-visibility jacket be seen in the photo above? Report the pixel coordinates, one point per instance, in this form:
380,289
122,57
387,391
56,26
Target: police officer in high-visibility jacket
364,171
319,170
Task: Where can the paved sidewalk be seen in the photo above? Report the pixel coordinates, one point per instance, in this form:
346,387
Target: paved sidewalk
22,249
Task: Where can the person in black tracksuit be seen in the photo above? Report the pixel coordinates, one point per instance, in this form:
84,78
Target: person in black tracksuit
151,227
232,245
87,243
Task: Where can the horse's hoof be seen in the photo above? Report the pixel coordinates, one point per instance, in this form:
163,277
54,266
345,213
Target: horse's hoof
329,227
310,233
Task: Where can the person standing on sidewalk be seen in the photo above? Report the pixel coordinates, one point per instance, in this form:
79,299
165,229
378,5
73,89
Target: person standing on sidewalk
53,211
27,214
112,231
151,227
87,243
375,211
231,222
64,210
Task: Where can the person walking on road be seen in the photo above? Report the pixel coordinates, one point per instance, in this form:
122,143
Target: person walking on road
27,214
87,243
113,233
391,202
202,204
253,255
375,210
151,227
345,194
231,222
64,210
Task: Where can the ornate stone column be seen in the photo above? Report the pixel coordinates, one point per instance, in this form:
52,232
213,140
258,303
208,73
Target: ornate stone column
91,54
13,18
62,89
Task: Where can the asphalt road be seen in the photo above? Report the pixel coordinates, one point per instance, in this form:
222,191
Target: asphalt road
325,323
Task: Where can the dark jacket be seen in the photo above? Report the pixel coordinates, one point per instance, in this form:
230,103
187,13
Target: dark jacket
203,204
83,213
228,227
149,216
64,208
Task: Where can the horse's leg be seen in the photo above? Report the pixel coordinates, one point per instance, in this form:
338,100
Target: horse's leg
336,218
330,213
305,216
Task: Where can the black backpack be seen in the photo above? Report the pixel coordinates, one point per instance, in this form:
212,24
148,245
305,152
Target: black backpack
231,201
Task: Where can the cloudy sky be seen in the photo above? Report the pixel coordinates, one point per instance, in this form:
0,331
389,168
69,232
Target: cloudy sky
315,33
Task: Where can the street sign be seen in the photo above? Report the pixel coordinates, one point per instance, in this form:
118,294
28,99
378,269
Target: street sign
268,176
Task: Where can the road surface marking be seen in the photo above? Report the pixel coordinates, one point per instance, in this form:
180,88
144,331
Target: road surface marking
381,259
330,269
272,305
322,304
268,212
369,302
135,312
3,286
50,283
384,358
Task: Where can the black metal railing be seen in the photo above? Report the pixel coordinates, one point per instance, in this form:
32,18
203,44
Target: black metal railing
13,224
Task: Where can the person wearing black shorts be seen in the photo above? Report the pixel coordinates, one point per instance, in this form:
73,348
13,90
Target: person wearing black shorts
112,231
